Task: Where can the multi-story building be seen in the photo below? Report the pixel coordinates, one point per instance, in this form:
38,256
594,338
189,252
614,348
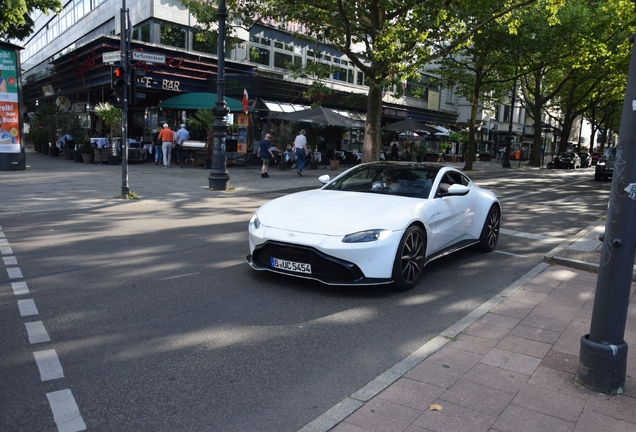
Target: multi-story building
63,58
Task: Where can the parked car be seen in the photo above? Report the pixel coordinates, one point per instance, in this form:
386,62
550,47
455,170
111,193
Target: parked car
605,165
586,159
567,160
376,223
596,157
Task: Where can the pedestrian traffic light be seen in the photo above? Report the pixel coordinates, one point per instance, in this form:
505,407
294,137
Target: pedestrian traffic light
133,96
119,80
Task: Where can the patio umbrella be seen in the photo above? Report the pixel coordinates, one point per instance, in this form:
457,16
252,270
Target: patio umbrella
320,115
198,100
411,125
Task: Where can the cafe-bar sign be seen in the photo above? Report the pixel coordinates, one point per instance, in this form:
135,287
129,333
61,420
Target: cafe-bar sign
9,107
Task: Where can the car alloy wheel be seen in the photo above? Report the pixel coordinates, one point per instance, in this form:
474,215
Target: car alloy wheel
490,232
409,260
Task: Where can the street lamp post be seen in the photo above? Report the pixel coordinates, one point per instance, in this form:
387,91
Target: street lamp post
506,158
219,178
603,352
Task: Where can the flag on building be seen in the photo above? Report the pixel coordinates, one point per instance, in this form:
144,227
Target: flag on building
244,101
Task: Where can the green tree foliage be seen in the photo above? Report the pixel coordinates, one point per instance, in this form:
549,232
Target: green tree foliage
387,40
15,19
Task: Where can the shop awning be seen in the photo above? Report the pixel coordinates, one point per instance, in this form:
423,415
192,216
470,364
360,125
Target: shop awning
198,100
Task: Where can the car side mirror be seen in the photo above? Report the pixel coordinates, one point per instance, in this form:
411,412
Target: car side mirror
458,189
324,179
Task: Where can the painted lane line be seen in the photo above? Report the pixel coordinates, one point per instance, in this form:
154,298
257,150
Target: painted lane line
27,307
65,411
531,236
37,332
14,273
19,288
10,260
48,364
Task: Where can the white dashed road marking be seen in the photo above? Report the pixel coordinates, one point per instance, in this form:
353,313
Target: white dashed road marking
510,253
65,411
19,288
37,332
14,273
531,236
27,307
48,364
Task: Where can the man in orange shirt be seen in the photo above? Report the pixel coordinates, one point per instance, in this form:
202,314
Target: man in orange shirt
166,137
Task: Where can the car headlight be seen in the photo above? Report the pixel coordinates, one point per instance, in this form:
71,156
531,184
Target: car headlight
255,222
366,236
600,163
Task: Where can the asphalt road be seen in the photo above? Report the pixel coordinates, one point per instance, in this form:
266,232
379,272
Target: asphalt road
159,324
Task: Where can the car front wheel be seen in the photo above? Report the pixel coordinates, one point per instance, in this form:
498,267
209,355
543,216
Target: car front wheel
490,232
409,259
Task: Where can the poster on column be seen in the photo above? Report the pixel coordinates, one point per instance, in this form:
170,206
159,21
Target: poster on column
9,106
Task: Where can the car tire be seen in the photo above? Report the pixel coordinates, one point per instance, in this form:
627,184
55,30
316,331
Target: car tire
490,232
409,259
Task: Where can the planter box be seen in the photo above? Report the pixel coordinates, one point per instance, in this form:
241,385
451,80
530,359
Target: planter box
452,158
431,157
485,157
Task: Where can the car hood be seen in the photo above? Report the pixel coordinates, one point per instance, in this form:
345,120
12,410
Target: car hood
340,213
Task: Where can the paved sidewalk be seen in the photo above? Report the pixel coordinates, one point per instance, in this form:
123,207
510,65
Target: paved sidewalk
510,365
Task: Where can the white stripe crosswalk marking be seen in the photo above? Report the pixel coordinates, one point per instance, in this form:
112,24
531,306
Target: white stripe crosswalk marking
10,260
6,251
48,364
531,236
37,332
65,411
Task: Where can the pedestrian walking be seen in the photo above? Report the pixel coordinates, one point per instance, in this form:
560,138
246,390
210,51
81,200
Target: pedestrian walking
156,147
300,148
395,149
265,153
166,136
181,135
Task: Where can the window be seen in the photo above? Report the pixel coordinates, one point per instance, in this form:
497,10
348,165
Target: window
362,80
259,55
142,33
278,45
282,60
173,36
205,41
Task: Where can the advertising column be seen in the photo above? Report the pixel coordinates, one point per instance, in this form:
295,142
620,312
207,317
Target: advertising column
11,146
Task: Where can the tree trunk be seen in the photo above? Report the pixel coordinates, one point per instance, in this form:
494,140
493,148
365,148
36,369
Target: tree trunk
371,146
470,153
535,155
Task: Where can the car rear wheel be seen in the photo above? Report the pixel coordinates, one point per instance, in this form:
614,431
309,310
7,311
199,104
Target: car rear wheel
409,259
490,232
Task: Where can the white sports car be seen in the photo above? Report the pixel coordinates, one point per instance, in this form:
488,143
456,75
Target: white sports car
376,223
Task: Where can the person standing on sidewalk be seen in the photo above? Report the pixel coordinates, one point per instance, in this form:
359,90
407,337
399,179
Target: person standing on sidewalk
300,148
166,137
265,153
181,135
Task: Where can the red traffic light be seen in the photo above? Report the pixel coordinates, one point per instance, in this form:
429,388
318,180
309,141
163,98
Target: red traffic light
118,72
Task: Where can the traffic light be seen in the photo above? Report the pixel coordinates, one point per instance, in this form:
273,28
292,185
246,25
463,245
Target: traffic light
133,96
119,80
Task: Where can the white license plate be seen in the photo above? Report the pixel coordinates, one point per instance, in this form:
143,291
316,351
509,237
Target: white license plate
290,265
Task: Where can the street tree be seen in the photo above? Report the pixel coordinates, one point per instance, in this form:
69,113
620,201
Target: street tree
15,16
387,40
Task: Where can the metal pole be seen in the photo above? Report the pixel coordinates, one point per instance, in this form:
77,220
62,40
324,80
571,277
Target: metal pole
603,354
219,178
124,108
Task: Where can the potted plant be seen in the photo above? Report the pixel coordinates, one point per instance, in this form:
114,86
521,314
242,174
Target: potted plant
86,149
111,117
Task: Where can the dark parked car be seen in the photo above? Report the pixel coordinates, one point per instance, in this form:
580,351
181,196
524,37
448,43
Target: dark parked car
605,165
586,159
596,157
566,160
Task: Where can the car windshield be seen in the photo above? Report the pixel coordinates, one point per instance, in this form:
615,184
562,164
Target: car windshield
411,180
567,155
610,153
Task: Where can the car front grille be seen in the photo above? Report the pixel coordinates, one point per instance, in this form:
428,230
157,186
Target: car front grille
323,267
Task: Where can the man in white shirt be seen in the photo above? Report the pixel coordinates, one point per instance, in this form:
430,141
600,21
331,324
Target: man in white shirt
300,148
